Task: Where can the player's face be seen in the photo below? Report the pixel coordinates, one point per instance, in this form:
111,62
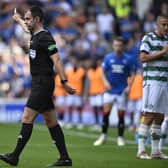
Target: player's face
162,24
117,46
29,21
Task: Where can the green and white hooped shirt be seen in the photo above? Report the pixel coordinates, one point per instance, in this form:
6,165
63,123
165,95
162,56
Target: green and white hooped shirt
155,72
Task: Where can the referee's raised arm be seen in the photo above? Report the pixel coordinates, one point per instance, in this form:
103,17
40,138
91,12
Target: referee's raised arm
17,17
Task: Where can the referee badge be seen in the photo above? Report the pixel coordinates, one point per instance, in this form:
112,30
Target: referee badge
51,47
32,54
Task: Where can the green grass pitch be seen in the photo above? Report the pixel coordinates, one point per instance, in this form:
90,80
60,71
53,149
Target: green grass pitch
40,150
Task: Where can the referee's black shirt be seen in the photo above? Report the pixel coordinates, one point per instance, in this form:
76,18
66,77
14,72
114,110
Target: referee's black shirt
42,46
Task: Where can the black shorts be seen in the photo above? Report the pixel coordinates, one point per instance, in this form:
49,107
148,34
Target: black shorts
41,95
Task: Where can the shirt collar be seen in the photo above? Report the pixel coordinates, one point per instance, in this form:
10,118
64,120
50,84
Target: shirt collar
38,31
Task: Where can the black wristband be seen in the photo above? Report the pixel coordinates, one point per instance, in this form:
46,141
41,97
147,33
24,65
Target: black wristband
64,81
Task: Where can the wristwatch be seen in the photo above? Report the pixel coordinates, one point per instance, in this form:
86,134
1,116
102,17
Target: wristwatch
64,81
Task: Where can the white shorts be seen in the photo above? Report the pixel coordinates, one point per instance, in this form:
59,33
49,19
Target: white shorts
96,100
134,106
155,99
74,100
60,101
119,100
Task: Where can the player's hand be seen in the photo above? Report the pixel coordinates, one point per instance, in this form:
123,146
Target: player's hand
127,90
16,16
68,88
165,48
107,86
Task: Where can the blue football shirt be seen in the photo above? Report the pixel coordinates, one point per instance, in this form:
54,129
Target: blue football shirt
117,69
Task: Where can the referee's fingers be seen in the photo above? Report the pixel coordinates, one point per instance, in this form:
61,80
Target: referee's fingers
15,11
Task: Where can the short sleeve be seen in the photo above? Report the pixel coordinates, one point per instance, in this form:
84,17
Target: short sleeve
49,43
145,44
105,64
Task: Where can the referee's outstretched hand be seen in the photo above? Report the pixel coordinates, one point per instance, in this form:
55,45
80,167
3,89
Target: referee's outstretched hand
16,15
69,89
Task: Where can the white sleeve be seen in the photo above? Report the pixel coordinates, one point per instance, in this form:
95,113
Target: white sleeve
145,44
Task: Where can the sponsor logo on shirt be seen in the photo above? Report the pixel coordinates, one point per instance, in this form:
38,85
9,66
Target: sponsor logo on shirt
117,68
32,53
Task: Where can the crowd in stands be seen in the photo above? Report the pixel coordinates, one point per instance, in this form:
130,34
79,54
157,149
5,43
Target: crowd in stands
83,30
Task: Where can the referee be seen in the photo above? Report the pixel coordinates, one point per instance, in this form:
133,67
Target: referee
44,58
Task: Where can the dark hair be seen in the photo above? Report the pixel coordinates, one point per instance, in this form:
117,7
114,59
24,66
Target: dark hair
118,38
37,12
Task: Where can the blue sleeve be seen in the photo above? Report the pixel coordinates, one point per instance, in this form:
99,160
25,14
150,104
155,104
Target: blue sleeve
105,64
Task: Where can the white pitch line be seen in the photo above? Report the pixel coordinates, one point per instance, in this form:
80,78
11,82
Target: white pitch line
79,134
44,145
90,136
85,135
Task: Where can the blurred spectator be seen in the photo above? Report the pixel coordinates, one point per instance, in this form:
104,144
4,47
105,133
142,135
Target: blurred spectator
63,21
95,90
127,27
105,23
79,16
132,49
135,101
97,50
164,8
121,8
75,76
82,30
59,96
63,48
149,22
158,7
91,24
81,47
64,6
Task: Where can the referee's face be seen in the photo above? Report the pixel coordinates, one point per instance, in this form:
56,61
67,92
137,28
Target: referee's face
30,21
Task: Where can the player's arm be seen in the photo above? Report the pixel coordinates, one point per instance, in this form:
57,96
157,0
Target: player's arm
60,70
105,69
106,82
17,17
131,80
132,77
146,57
